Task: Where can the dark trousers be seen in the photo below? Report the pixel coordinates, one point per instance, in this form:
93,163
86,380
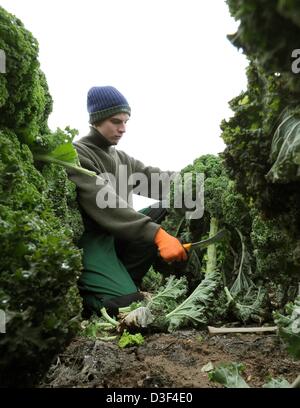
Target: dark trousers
115,281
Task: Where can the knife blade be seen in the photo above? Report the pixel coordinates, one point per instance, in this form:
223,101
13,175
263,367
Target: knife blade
205,242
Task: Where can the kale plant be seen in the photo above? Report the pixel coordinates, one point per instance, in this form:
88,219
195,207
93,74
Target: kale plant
39,221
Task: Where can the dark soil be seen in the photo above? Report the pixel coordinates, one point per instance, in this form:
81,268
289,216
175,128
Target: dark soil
169,360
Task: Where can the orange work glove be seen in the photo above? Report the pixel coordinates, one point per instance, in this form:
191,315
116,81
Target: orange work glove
170,249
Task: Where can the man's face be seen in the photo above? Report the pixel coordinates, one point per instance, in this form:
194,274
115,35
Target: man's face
113,128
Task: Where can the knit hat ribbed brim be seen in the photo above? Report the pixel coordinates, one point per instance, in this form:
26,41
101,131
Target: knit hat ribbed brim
105,101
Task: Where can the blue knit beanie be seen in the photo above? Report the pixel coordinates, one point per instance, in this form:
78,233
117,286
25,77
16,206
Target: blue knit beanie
105,101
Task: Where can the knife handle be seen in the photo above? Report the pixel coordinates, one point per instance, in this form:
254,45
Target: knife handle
187,247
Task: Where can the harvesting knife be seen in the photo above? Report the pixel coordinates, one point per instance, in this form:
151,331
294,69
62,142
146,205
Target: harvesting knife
205,242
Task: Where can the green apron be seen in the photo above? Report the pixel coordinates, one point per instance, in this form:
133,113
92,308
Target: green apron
103,272
104,276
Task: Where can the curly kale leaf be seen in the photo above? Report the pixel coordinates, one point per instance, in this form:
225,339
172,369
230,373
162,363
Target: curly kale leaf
277,383
194,309
129,340
167,299
289,327
285,150
25,102
172,290
275,246
229,375
243,281
260,39
38,272
249,306
57,148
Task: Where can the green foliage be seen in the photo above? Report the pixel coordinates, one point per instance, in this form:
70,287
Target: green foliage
129,340
57,148
289,327
48,142
152,280
25,102
166,298
173,289
285,150
246,301
242,282
38,272
261,137
250,305
195,308
274,242
233,257
209,166
39,220
221,201
96,327
261,40
171,307
248,136
277,383
229,375
61,193
260,259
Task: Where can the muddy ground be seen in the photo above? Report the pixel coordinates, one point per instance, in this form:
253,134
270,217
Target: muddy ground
169,360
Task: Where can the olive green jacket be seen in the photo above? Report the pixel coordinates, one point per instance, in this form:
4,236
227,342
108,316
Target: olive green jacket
96,154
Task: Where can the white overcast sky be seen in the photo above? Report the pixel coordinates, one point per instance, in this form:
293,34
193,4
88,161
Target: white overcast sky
170,58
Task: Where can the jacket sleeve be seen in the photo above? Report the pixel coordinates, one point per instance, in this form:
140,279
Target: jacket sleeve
158,181
123,223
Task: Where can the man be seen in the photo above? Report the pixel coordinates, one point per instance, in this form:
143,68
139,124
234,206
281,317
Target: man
119,244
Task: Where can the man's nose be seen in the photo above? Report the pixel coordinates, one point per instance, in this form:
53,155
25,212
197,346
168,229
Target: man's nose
122,127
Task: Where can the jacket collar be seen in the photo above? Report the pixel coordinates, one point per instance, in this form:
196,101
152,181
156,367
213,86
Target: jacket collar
96,138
